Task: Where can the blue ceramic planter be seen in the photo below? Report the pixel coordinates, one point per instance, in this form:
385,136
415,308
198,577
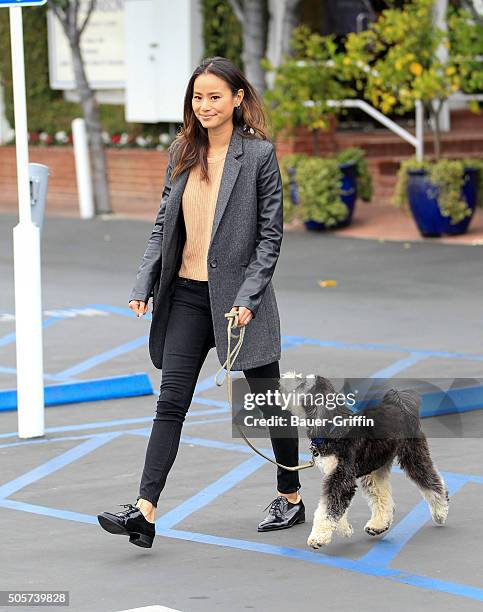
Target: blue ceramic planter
348,196
423,202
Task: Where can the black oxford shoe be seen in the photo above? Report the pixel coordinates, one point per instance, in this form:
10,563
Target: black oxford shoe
131,522
282,514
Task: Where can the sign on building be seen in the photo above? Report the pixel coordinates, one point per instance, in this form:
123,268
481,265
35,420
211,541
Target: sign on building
102,45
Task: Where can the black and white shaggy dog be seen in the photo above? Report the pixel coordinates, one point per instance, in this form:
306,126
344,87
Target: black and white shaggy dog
367,454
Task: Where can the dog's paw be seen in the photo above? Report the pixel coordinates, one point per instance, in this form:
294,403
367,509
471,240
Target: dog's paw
374,529
439,513
439,506
319,538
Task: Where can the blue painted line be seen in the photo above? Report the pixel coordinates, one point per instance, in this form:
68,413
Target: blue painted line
400,365
56,463
96,389
210,402
464,478
382,347
239,448
50,440
103,424
13,371
10,338
288,344
205,497
47,511
424,582
207,412
205,384
209,493
145,431
387,548
293,553
103,357
124,312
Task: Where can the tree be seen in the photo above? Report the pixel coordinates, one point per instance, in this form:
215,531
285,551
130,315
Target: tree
74,24
304,83
396,61
282,21
250,14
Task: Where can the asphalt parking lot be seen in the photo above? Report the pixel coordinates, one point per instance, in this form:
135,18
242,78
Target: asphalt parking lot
398,310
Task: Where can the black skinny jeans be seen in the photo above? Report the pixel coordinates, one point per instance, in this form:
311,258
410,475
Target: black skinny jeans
189,337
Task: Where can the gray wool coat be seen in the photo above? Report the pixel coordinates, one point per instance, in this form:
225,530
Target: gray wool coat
243,252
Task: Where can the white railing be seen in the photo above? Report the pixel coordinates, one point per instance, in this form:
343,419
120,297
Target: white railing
416,141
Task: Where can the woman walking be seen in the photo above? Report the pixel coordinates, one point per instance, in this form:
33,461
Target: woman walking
213,250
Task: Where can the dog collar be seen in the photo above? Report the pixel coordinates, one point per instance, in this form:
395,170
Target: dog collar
314,442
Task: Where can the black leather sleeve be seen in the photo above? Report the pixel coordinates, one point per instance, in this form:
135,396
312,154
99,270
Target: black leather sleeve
150,267
269,234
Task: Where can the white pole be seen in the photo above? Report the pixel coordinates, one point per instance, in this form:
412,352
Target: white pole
83,169
419,130
26,246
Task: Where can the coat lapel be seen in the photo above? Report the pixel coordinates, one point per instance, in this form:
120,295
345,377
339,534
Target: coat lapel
231,169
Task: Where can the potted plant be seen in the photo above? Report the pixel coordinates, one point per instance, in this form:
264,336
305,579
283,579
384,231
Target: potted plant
322,191
403,57
442,195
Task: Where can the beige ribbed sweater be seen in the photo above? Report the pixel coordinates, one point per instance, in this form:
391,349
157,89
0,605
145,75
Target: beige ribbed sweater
198,204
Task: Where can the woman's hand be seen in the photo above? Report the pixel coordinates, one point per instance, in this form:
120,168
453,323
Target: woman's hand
245,315
140,308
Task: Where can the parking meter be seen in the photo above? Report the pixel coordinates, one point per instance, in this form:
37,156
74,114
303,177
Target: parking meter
39,176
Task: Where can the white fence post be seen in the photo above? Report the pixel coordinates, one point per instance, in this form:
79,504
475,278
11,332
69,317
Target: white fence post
83,169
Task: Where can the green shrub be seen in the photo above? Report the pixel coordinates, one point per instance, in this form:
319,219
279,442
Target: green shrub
318,183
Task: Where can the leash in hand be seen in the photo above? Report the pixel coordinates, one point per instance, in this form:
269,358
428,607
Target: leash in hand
231,356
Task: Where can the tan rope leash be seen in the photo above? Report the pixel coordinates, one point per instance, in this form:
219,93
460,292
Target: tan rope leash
231,356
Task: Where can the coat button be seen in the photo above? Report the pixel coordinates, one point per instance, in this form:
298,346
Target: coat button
213,263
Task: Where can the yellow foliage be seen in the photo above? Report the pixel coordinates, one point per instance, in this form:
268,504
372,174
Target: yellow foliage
416,68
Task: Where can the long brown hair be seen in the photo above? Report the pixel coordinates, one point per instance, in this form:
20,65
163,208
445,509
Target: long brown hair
190,146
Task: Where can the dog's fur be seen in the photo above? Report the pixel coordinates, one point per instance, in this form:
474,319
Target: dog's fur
367,455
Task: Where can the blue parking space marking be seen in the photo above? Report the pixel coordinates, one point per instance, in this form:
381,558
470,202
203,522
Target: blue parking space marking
92,362
431,584
113,423
67,375
211,492
385,550
375,565
57,463
370,346
375,562
400,365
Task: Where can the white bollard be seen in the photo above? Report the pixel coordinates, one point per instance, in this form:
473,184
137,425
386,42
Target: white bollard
83,169
28,329
26,248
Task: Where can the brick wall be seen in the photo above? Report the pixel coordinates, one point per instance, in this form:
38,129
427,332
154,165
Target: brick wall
136,176
135,179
